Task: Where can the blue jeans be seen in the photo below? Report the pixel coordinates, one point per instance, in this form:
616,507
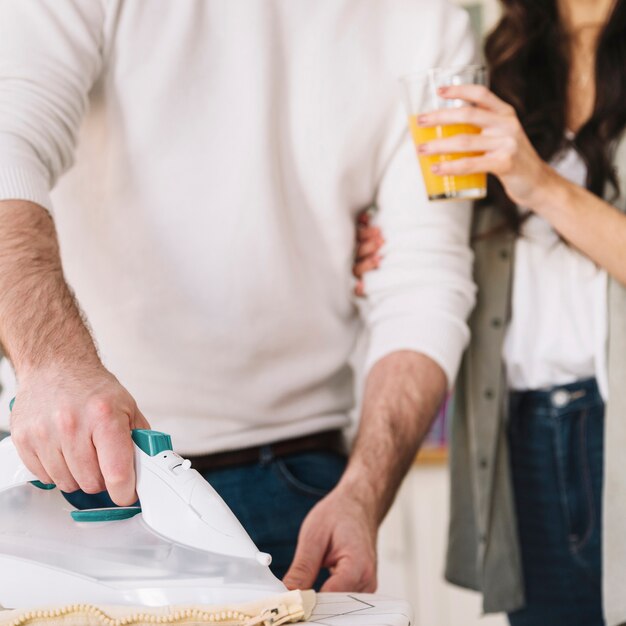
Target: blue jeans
271,498
556,442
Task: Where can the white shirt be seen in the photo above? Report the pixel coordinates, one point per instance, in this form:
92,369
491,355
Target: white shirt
558,329
223,151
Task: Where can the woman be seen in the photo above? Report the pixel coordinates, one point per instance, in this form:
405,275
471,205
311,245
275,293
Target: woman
548,354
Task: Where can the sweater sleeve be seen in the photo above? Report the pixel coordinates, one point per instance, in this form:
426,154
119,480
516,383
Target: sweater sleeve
423,292
50,56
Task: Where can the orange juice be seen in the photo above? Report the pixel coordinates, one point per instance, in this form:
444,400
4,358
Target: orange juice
447,187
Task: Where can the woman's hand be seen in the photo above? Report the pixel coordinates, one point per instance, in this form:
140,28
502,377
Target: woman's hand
504,149
369,242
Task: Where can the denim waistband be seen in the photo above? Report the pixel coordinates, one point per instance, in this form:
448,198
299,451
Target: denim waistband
575,396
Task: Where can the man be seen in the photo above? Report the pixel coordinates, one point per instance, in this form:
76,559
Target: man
207,231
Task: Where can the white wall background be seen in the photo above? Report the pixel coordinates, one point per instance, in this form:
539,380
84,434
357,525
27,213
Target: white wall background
491,10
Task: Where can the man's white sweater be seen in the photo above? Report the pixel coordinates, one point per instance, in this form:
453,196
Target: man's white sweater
217,154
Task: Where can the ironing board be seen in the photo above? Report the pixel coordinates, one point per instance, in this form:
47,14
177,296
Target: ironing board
360,609
332,609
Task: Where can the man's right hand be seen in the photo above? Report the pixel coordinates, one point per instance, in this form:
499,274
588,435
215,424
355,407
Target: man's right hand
71,419
72,427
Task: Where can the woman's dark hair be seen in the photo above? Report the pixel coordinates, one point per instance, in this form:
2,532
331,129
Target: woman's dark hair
527,56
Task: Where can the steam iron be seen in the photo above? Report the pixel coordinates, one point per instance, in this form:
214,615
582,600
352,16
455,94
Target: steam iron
182,546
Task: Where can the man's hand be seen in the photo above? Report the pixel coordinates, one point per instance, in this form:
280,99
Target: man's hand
72,419
402,395
72,428
340,535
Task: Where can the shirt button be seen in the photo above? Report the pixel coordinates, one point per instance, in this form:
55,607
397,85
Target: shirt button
560,398
489,394
484,463
504,255
496,322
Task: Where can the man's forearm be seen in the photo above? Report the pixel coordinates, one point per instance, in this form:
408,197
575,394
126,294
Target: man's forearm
402,395
72,419
40,323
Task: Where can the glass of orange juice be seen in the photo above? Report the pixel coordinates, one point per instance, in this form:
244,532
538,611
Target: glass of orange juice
421,93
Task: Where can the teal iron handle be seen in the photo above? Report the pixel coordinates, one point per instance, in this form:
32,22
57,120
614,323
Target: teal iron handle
151,442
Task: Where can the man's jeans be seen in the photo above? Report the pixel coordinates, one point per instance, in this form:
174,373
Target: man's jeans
556,441
271,498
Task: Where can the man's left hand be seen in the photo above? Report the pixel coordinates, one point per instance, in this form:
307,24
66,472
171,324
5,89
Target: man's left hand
339,534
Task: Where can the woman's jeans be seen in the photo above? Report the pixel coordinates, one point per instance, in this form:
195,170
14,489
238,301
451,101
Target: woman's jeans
271,498
556,443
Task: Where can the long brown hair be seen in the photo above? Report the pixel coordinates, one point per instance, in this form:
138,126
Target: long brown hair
529,68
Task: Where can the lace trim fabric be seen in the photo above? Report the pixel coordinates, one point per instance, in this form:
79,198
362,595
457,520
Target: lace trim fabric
288,608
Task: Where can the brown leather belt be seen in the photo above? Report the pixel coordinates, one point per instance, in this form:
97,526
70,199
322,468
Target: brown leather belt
328,441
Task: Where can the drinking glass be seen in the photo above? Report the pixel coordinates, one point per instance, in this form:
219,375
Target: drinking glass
421,95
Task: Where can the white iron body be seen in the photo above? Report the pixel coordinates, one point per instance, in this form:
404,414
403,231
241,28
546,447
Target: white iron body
185,547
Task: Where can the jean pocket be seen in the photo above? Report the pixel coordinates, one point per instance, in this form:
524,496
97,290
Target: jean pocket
576,477
312,474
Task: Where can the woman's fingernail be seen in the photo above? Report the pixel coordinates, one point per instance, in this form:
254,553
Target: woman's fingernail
435,169
422,148
422,120
442,91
